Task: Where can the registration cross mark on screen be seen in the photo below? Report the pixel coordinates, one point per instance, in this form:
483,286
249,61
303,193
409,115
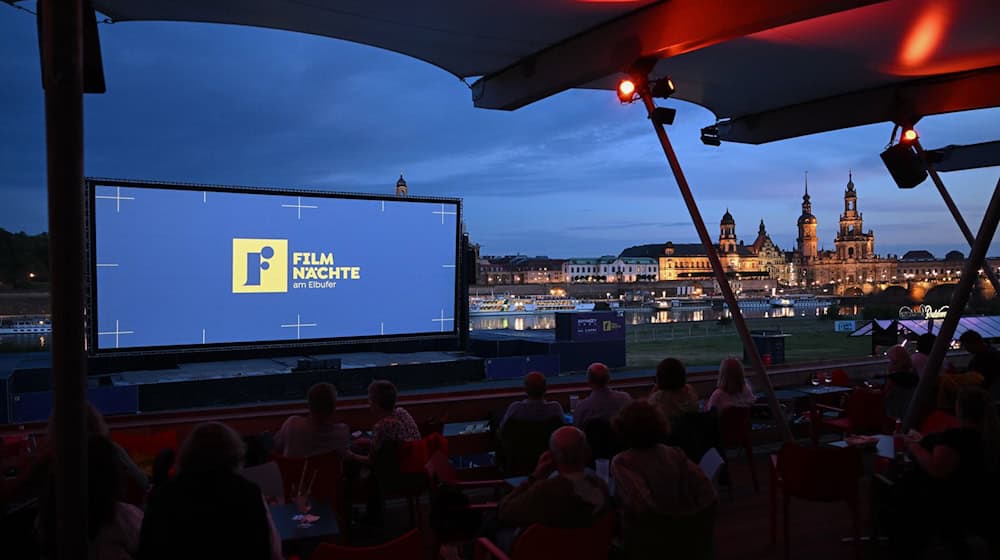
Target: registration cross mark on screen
243,265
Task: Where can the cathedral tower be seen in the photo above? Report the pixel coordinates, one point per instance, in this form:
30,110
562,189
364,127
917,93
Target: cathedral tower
727,233
807,228
852,242
401,188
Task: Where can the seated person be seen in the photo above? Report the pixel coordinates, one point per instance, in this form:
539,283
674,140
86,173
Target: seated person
317,433
651,477
925,343
672,395
534,408
901,382
603,402
112,525
951,383
571,498
985,360
96,426
733,388
954,489
208,510
392,423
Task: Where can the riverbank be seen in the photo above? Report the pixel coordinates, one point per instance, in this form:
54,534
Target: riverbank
24,303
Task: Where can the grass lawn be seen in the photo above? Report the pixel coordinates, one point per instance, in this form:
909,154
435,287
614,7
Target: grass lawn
707,342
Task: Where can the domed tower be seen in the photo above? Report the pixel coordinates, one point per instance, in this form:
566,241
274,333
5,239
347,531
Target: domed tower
852,241
401,189
807,228
727,233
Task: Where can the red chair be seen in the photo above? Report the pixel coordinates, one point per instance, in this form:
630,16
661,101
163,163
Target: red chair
938,421
143,446
455,519
539,542
400,469
735,431
410,545
839,378
816,474
863,413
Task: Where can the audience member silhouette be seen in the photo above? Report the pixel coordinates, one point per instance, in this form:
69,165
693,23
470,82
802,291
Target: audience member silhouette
651,477
570,498
732,388
534,408
672,395
316,433
112,525
208,511
603,402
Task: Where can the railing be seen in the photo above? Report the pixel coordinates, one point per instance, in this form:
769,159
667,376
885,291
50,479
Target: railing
449,406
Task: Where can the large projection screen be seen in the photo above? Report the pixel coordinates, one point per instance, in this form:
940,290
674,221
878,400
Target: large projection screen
177,267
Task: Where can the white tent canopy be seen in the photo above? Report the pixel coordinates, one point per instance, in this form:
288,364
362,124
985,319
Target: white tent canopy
988,327
768,69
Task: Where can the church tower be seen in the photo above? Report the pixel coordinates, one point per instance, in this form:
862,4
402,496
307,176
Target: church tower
852,242
401,189
807,228
727,233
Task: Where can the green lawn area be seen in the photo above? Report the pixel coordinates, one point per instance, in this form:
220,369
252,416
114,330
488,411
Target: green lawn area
707,342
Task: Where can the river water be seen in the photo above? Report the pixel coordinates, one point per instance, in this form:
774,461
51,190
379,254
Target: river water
531,321
24,342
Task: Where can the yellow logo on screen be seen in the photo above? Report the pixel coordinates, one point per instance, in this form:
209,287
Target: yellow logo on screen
260,266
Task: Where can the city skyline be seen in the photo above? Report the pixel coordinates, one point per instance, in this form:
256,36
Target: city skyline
574,175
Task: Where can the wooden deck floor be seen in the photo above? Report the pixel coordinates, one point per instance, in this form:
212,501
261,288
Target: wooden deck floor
743,526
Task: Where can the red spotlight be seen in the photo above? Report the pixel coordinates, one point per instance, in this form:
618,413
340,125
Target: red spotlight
626,91
909,135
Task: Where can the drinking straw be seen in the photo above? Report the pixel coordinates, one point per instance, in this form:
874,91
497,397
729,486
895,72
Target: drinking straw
302,478
311,480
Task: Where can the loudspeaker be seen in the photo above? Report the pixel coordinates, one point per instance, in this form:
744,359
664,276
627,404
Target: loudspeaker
904,165
313,364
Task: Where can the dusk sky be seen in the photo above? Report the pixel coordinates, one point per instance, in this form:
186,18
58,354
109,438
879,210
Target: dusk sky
572,176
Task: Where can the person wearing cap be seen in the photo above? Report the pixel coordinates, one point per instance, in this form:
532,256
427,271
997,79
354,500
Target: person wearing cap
603,401
534,408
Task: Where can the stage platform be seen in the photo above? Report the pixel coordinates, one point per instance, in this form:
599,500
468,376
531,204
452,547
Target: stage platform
26,394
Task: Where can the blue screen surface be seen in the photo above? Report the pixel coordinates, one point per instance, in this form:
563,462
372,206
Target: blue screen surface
186,268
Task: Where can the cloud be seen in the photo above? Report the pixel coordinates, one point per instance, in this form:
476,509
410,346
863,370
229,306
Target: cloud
575,174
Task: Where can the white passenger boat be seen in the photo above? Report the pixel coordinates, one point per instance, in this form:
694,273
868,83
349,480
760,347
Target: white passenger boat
26,326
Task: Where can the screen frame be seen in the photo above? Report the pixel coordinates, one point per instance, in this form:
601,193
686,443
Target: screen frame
264,347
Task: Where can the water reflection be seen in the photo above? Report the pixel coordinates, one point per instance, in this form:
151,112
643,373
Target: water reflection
535,321
24,343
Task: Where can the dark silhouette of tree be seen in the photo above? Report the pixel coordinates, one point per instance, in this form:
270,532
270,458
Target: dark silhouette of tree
24,260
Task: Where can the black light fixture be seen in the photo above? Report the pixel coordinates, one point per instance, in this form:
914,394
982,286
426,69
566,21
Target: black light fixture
663,88
664,116
904,165
710,136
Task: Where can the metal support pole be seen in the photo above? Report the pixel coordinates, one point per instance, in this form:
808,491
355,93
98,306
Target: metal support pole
61,29
713,258
959,298
954,211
